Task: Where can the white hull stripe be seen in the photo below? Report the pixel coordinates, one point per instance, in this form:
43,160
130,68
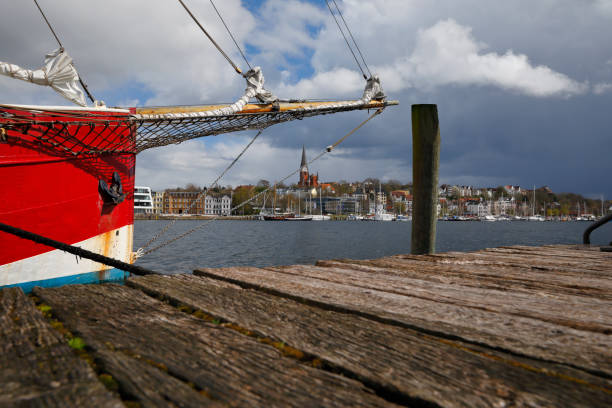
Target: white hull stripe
115,244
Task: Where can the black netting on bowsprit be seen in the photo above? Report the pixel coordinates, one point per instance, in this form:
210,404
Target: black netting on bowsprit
170,130
80,133
63,133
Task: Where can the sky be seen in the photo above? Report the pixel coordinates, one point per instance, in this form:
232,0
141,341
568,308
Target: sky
523,88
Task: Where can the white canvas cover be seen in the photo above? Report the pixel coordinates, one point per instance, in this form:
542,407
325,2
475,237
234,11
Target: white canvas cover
58,73
255,89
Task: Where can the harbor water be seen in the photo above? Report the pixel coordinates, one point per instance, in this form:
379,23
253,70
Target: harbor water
259,243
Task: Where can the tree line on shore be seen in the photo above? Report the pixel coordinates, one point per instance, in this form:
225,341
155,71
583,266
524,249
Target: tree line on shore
556,204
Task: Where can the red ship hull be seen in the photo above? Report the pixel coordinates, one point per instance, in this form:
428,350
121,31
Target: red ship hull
56,193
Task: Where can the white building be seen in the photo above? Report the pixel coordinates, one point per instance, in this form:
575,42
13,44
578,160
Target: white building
218,205
478,208
143,201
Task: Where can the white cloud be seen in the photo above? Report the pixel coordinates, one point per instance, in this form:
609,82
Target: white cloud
338,82
602,88
604,6
447,54
116,43
201,162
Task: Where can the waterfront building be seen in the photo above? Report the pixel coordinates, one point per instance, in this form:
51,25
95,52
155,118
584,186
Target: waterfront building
307,180
359,194
504,206
218,205
402,201
196,203
143,201
183,202
341,205
478,208
158,202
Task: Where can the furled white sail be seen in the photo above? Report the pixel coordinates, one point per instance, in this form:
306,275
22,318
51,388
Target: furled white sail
255,89
58,73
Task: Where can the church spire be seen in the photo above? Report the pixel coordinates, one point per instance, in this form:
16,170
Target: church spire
303,164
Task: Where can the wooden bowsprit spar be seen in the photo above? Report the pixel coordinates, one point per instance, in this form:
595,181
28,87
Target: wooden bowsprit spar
167,125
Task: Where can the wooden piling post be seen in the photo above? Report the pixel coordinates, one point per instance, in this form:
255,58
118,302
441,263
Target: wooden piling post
425,165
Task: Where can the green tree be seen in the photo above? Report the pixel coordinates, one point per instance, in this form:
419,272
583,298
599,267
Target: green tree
500,191
241,195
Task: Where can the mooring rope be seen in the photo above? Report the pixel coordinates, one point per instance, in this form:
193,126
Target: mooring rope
79,252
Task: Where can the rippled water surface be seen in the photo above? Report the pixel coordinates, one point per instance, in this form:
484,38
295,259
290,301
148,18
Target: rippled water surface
261,243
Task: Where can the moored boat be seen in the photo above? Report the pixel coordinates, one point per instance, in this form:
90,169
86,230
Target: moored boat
55,184
67,173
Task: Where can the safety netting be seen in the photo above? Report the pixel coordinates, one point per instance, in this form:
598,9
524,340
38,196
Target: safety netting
101,130
89,132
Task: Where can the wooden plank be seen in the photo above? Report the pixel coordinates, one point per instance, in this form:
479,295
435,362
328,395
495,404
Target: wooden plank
519,335
479,274
402,362
577,312
582,261
150,385
227,366
38,368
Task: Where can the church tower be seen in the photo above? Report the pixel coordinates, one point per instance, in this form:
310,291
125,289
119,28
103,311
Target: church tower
304,176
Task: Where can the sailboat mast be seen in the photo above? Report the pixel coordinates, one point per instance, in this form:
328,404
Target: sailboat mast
534,202
321,200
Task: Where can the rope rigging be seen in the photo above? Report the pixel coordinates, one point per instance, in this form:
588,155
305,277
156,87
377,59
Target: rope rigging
352,38
141,251
231,35
62,47
345,39
236,68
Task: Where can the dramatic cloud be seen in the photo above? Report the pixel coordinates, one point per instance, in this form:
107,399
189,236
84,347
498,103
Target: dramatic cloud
448,54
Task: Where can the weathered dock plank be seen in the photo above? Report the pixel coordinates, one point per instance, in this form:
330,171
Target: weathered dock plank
471,272
403,363
580,312
120,323
569,333
37,367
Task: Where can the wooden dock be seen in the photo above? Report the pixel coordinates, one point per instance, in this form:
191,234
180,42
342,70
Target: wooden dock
504,327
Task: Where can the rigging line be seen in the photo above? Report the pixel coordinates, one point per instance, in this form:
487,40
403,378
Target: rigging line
163,230
141,252
61,46
231,35
49,24
352,38
345,39
238,70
